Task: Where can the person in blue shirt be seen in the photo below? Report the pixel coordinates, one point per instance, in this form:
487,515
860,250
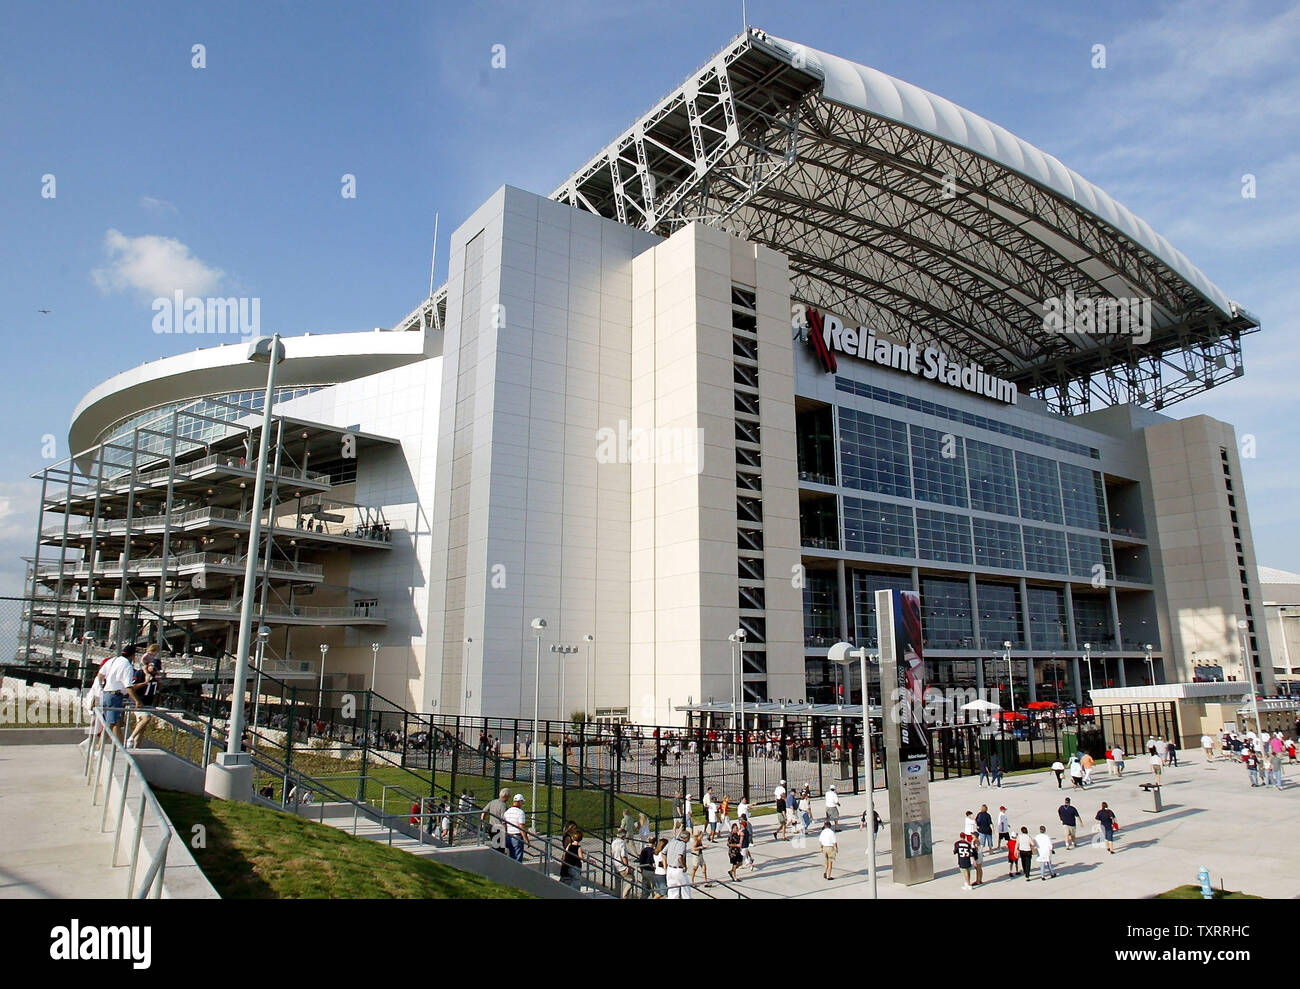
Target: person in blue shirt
1069,816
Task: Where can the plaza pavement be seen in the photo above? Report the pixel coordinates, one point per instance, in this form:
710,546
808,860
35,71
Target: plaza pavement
1211,817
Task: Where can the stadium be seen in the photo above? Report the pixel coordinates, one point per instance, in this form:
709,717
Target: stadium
903,347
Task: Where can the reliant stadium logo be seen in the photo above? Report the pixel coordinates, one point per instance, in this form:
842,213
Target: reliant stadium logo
827,336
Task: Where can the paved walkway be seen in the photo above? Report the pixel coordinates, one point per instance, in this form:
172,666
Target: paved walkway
52,847
1212,817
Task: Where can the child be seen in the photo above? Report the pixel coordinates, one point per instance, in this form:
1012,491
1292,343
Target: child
1012,856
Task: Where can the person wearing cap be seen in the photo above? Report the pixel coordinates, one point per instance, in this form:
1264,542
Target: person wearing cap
118,679
1004,826
622,866
833,807
516,829
779,795
492,817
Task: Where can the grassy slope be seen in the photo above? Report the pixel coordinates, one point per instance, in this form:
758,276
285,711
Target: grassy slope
255,853
1194,893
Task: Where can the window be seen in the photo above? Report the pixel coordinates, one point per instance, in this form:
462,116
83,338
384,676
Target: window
1000,614
879,528
1086,552
992,478
865,584
1045,550
1047,627
938,467
1084,497
1040,488
997,544
943,536
946,614
873,453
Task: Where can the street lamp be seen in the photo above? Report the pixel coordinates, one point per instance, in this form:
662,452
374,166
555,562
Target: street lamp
1011,678
469,692
587,674
843,654
374,664
263,634
320,698
1242,626
561,651
1087,655
268,351
1151,666
538,626
737,640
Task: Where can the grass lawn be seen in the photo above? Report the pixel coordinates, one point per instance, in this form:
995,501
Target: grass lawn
256,853
1190,892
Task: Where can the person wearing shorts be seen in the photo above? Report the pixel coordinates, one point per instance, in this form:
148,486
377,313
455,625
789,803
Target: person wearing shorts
697,858
964,848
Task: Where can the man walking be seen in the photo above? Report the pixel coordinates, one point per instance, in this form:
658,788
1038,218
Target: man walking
1069,816
1117,753
833,807
118,679
516,829
830,846
622,866
711,814
493,820
678,887
1043,841
984,772
1171,752
1207,746
995,766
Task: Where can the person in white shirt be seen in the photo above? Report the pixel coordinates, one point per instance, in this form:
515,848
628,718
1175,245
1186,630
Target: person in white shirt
711,814
516,829
1004,826
118,679
742,808
689,823
622,867
969,827
833,809
830,846
679,887
1043,843
1117,756
1207,743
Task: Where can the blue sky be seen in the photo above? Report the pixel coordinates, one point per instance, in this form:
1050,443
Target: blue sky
232,173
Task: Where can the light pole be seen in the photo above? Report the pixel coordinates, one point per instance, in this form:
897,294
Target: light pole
468,692
1087,655
737,639
374,664
1242,626
841,654
586,676
1011,677
1151,666
561,651
538,626
270,351
263,634
320,697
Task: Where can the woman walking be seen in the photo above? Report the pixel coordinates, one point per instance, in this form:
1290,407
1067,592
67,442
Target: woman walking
1025,849
1106,818
574,858
697,858
733,851
661,869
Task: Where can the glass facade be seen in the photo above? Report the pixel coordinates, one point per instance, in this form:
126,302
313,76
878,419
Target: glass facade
1084,495
1000,615
1047,624
878,527
1044,550
1089,552
821,608
1092,622
992,478
997,544
1039,487
938,467
943,536
865,584
873,454
946,614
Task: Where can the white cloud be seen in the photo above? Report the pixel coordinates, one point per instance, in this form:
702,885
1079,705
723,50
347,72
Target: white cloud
157,205
153,266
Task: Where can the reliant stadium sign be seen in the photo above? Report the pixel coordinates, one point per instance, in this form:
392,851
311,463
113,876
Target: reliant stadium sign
828,336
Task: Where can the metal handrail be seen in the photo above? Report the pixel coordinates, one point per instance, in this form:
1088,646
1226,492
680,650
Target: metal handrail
152,884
